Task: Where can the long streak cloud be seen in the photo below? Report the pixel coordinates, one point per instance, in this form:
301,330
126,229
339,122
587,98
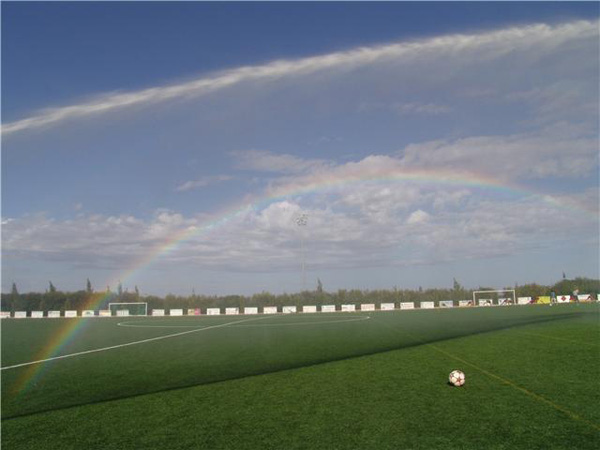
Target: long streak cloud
493,43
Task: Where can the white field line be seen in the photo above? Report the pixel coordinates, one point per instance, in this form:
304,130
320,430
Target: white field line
317,322
128,344
130,325
261,325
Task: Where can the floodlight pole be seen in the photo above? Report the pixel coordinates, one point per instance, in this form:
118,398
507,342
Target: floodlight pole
302,221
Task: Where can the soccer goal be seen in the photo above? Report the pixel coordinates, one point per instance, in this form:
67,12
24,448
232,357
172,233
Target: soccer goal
496,297
128,309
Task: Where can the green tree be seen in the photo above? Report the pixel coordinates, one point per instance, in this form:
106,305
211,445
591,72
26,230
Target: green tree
88,286
583,285
51,287
532,290
319,286
457,286
14,298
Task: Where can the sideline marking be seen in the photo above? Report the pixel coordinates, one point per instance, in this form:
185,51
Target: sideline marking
538,397
128,344
316,322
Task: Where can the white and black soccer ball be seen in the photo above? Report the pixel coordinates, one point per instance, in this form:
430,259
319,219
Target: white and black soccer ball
456,378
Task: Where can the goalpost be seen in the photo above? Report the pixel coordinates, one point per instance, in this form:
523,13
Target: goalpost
128,309
494,297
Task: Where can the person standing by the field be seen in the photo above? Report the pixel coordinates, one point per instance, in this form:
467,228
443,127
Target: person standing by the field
552,297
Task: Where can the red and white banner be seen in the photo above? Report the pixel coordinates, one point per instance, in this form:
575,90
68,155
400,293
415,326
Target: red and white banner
328,308
348,308
446,304
232,311
158,312
87,313
4,314
387,307
309,309
270,310
585,298
54,314
176,312
288,309
563,298
213,311
465,303
367,307
20,314
71,313
37,314
427,305
407,305
251,310
523,300
485,302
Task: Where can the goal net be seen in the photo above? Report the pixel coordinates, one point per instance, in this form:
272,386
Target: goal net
128,309
495,297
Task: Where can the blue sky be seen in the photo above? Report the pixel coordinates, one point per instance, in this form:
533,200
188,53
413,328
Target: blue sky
425,141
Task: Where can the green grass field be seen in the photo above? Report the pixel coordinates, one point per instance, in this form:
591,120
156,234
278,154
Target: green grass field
345,380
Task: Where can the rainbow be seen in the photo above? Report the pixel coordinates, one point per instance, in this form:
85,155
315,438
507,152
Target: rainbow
316,184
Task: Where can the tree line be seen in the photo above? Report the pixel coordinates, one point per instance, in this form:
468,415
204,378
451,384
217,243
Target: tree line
56,300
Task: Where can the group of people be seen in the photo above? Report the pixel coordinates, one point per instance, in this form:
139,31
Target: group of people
574,296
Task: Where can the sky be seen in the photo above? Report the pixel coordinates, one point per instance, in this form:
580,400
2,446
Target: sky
175,146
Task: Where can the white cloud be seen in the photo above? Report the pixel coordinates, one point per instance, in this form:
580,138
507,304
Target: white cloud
572,99
371,167
407,108
551,152
560,152
202,182
338,234
266,161
421,108
417,217
534,40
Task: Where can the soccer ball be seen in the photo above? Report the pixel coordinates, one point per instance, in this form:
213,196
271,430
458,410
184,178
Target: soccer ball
456,378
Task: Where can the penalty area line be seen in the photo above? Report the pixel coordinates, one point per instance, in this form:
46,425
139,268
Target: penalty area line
143,341
531,394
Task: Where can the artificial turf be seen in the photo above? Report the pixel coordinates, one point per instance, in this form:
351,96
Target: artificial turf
532,382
